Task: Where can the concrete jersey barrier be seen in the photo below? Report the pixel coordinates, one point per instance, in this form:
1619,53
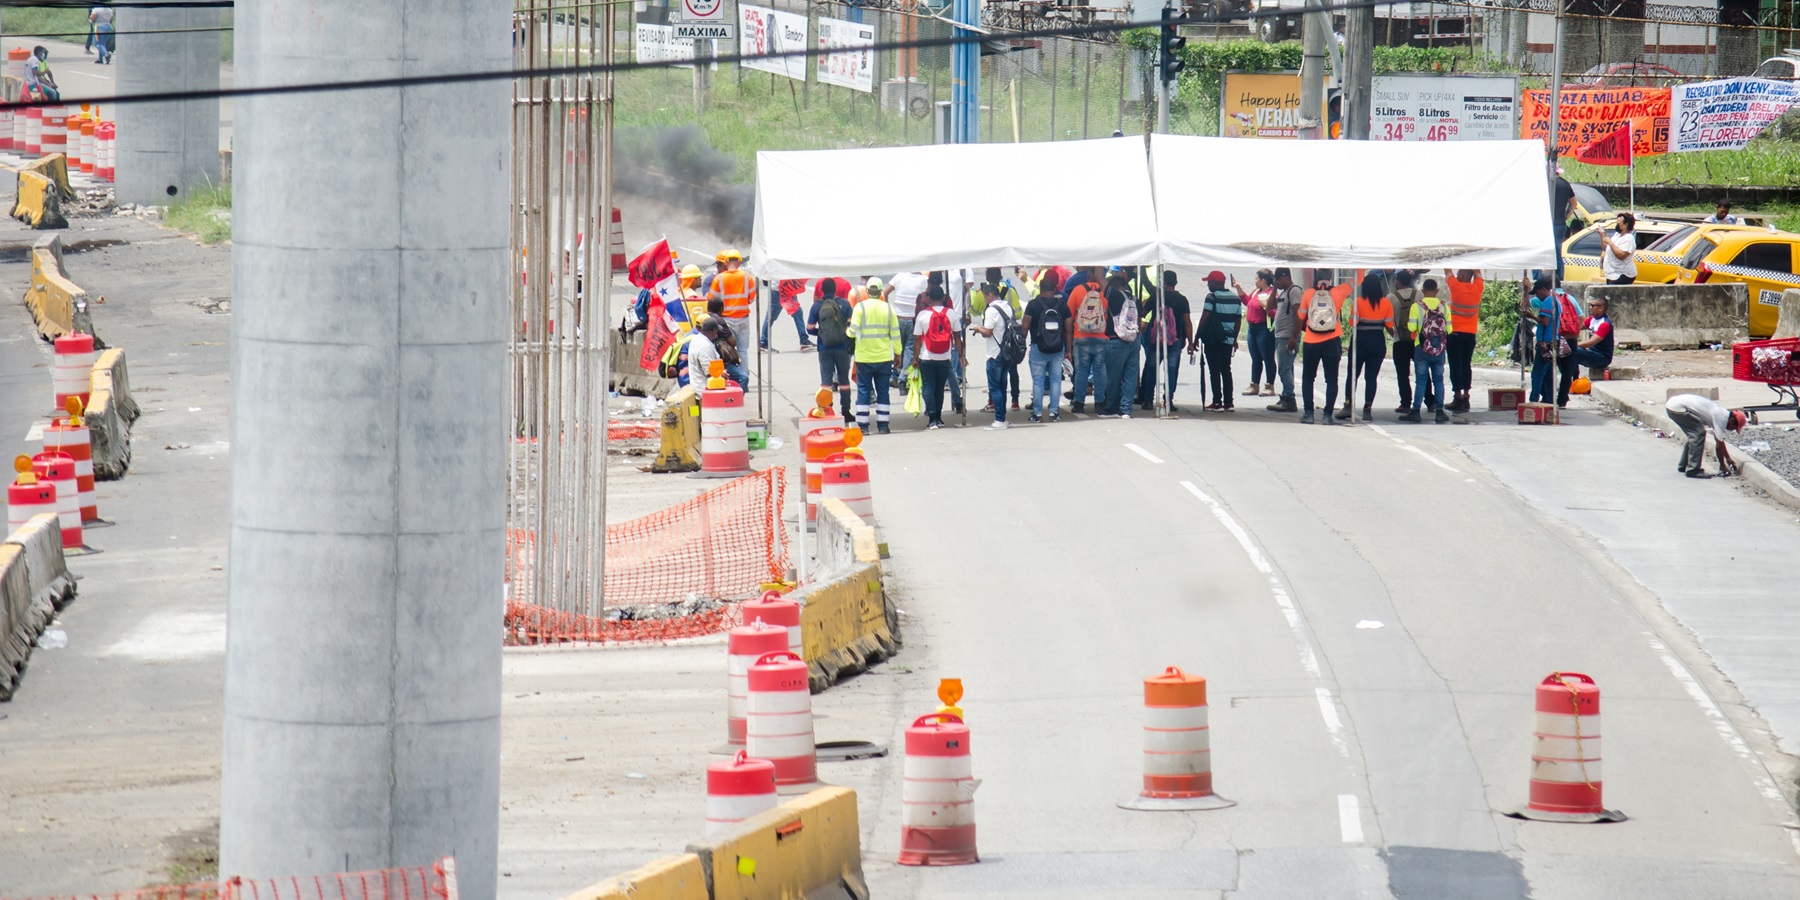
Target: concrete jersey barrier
847,622
809,848
1672,316
42,188
51,296
110,412
34,584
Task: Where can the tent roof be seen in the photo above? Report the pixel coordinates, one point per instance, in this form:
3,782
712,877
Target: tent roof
950,206
1232,202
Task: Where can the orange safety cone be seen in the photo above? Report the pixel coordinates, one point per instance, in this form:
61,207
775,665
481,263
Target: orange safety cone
1177,746
937,794
1565,753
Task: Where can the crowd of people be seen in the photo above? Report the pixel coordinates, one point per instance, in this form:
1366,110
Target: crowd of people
1119,333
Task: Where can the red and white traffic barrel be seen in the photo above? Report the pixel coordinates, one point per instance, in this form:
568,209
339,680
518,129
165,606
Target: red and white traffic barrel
72,437
737,789
724,430
106,147
59,469
775,609
937,794
1565,753
1177,746
745,645
89,148
34,130
18,131
74,369
28,496
818,446
616,241
779,725
53,131
846,477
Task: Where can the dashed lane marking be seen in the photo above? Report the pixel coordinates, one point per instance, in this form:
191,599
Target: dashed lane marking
1350,819
1143,453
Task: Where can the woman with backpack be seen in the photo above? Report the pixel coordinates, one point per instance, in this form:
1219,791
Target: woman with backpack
938,342
1322,330
1428,328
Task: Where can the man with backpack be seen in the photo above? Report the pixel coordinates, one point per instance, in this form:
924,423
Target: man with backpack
1005,348
1172,330
1322,330
1047,322
937,341
1568,330
1428,327
1122,329
878,341
829,320
1087,313
1219,317
996,287
1537,305
1403,297
1286,325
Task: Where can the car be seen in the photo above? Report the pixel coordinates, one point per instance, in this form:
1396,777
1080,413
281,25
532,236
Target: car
1785,67
1761,259
1581,252
1591,205
1627,74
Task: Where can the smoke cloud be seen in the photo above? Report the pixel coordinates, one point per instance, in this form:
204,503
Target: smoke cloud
679,166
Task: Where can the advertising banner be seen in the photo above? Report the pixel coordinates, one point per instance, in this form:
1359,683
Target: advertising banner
853,69
1443,108
1261,105
657,43
1591,114
762,30
1725,115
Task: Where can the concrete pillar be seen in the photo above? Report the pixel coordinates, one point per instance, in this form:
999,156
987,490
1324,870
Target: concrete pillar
166,149
368,470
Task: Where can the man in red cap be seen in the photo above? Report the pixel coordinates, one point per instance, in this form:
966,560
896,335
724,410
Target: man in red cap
1219,318
1695,416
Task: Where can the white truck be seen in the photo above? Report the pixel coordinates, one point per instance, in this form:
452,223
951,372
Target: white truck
1396,24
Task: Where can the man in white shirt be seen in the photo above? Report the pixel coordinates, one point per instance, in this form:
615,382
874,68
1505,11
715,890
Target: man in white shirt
1722,216
1617,246
993,327
902,294
1697,416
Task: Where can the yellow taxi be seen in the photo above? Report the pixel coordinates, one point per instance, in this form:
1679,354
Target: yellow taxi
1656,262
1761,259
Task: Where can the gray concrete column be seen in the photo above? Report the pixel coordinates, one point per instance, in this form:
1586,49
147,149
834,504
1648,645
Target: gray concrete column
368,365
166,149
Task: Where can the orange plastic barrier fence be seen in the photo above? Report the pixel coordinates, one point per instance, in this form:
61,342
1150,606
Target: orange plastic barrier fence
722,544
433,882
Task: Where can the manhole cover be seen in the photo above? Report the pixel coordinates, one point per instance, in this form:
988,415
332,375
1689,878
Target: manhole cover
843,751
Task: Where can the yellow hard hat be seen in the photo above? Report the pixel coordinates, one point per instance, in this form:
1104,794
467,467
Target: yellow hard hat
690,273
731,253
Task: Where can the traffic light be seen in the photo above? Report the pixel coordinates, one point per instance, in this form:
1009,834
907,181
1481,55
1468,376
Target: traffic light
1172,43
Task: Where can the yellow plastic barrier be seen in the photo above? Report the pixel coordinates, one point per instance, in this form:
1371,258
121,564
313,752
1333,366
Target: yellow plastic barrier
808,848
110,412
43,186
51,297
670,878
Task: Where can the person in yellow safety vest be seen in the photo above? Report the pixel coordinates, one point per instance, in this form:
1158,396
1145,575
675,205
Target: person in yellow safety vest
1002,287
875,336
737,289
1430,325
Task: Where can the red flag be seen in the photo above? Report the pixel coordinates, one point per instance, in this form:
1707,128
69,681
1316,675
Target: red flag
1612,150
657,338
653,265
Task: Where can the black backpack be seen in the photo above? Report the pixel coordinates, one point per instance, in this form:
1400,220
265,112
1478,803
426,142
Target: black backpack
1048,326
1012,337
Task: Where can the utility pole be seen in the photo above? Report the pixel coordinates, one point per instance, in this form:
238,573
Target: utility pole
1168,66
1556,75
1315,37
368,444
702,74
1359,70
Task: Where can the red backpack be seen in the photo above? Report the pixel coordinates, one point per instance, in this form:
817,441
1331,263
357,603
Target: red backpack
939,335
1568,318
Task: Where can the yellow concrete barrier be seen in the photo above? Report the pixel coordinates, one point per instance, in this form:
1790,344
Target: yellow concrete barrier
110,412
809,848
34,584
670,878
43,186
847,623
51,296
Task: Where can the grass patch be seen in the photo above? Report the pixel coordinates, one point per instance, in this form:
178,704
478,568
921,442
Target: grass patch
205,213
1767,161
1499,319
69,24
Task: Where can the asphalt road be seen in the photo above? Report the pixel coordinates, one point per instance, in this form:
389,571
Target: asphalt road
82,79
1372,607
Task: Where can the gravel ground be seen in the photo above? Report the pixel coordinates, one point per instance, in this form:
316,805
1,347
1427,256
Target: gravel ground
1781,453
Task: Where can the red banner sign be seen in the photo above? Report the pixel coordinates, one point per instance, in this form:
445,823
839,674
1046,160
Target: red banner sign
1589,115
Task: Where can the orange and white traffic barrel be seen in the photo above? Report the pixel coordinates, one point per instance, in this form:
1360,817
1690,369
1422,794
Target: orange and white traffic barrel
819,446
72,140
1565,753
27,496
17,131
89,148
846,477
937,794
7,118
616,241
774,609
73,372
53,134
745,645
34,130
59,469
779,724
106,147
71,436
724,428
1177,746
737,789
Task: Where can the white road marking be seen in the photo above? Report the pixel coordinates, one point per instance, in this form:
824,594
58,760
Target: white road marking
1408,447
1350,819
1143,453
173,637
1721,724
1309,658
36,433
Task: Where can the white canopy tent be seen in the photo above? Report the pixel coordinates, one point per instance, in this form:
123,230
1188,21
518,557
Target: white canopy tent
1237,203
951,206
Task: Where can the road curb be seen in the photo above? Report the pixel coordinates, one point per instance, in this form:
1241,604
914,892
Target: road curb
1753,471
